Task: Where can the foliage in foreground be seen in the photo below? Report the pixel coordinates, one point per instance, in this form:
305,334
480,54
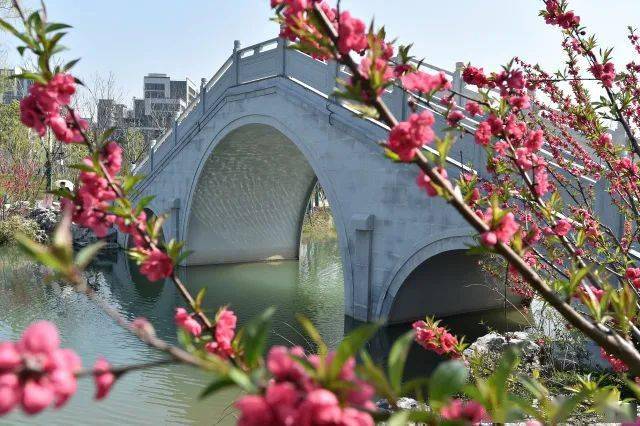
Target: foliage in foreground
561,251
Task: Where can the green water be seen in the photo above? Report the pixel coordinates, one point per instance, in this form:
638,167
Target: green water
312,286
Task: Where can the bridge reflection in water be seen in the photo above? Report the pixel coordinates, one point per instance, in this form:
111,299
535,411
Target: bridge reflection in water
312,286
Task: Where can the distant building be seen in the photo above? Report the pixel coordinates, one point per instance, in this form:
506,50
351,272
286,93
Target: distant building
13,88
163,101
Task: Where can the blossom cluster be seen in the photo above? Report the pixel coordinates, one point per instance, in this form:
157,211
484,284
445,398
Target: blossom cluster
35,373
408,137
435,338
464,411
41,108
223,335
503,227
90,208
293,397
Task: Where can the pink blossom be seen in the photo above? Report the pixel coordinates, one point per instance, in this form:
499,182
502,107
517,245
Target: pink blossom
516,80
473,108
605,140
64,86
156,265
562,228
40,108
454,117
475,76
187,322
284,398
32,116
633,274
351,34
10,392
422,82
500,232
520,102
534,141
424,181
407,137
39,338
224,333
35,371
496,124
282,365
68,129
320,407
436,339
254,411
469,411
36,397
523,158
9,356
541,181
381,68
103,378
483,134
606,73
112,158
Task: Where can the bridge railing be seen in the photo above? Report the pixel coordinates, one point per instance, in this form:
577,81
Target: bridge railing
257,62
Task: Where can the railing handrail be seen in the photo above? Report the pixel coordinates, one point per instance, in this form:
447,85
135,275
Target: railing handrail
231,61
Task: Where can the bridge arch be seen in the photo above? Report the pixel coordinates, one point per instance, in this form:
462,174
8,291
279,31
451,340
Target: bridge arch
255,168
435,277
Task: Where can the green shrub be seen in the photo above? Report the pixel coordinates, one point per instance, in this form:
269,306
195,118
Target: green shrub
14,225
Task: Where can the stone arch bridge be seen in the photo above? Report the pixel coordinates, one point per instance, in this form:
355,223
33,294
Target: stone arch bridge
236,170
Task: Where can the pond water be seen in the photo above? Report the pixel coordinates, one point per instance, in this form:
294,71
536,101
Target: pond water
168,395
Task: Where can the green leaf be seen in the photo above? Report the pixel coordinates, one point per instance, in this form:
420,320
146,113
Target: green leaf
200,298
350,346
241,379
130,181
448,379
144,202
399,418
216,385
106,134
55,26
70,65
39,252
82,167
254,338
86,255
374,374
398,358
313,333
30,76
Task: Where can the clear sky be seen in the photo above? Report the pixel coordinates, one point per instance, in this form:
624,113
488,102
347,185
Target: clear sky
193,37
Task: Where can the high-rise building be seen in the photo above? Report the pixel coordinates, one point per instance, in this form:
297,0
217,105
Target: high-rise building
13,88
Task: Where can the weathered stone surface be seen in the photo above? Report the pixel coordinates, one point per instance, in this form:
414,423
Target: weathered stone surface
495,344
46,218
403,403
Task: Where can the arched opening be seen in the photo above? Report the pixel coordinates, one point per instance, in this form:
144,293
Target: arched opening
449,283
250,199
253,195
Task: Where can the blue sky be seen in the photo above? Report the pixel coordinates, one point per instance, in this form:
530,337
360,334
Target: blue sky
194,37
